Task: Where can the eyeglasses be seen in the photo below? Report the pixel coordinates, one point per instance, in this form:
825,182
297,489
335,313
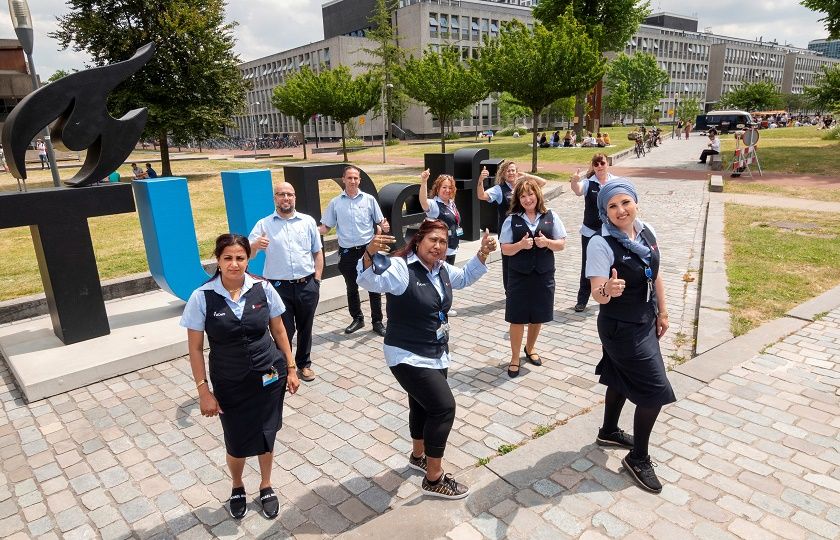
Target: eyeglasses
284,194
596,163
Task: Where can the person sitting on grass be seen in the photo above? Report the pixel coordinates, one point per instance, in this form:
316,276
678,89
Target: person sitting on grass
607,140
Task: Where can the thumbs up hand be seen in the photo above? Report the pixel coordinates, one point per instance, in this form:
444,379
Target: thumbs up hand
262,242
541,240
488,243
424,176
484,174
615,285
576,176
386,227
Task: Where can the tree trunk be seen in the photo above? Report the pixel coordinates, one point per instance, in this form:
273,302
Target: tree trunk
442,137
343,142
580,109
165,167
535,145
303,137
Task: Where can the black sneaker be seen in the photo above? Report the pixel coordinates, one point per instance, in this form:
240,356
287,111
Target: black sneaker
237,504
270,505
579,307
642,472
616,438
446,487
417,463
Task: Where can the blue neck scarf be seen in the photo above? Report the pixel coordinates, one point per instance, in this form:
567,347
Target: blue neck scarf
614,187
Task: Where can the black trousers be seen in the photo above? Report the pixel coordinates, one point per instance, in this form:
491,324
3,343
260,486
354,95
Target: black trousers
301,300
431,405
706,153
347,259
585,288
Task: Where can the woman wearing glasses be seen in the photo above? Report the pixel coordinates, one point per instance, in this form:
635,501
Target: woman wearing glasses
442,207
588,185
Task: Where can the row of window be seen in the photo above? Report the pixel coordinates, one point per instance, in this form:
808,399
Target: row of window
753,58
666,48
750,73
288,65
461,27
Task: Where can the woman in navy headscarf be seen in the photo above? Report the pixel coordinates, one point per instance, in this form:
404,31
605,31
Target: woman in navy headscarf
623,267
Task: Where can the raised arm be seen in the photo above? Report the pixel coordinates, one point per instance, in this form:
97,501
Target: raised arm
479,187
577,183
538,179
424,190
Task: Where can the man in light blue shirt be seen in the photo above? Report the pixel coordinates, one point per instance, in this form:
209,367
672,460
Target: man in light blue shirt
356,215
294,262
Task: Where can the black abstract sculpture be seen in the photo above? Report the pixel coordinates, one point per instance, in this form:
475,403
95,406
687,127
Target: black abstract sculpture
79,103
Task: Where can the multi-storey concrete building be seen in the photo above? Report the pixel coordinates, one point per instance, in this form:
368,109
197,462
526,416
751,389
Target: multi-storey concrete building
701,65
15,80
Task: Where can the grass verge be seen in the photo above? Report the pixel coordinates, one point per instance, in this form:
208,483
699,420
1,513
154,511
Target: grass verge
777,259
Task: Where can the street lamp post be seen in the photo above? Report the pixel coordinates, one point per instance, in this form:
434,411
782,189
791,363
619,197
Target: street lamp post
253,126
22,21
385,87
676,104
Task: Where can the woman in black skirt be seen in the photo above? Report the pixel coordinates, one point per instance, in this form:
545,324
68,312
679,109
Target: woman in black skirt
623,267
529,237
251,364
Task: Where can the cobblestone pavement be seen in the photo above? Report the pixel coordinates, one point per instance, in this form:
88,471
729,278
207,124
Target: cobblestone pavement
753,455
131,456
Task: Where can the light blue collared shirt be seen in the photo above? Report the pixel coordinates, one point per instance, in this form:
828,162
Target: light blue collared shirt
495,193
355,217
557,230
434,213
195,312
599,256
292,242
395,281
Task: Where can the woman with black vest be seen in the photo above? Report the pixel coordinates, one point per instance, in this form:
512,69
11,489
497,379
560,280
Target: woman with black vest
588,186
506,178
623,268
530,236
442,207
419,285
251,365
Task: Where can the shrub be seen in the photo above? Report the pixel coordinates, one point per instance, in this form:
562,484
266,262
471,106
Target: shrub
452,135
392,142
354,141
508,131
832,134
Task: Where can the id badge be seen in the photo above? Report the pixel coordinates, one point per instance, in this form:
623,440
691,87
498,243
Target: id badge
270,378
459,232
442,331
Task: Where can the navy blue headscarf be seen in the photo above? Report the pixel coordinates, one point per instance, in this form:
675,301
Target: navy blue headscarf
609,190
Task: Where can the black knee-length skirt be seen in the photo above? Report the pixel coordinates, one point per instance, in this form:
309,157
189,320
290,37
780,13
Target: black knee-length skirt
529,298
632,362
252,413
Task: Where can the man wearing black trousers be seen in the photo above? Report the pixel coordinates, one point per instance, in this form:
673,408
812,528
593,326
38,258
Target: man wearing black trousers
355,214
294,262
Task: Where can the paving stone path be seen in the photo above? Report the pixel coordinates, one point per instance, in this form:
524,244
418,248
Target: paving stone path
131,456
753,455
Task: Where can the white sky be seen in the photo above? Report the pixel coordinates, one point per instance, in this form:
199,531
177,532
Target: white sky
269,26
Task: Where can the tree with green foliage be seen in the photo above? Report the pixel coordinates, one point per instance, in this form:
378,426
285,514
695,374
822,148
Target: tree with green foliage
825,94
640,76
831,8
609,22
388,57
192,86
510,110
562,108
443,83
617,101
297,98
60,74
539,66
340,95
752,96
796,103
688,109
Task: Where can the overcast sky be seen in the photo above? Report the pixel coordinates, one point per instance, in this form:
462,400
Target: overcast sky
269,26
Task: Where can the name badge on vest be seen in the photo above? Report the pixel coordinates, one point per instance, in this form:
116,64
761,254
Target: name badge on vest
459,231
271,377
443,329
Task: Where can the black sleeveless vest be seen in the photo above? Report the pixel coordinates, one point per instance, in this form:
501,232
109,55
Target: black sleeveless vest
536,259
414,316
504,206
591,218
452,221
632,305
239,346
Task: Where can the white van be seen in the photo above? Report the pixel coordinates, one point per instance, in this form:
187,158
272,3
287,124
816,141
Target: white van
724,121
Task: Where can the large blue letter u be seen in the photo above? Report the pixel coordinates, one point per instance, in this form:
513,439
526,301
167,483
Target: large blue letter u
166,219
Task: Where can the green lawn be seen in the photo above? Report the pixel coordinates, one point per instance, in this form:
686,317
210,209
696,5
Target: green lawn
771,268
501,147
791,150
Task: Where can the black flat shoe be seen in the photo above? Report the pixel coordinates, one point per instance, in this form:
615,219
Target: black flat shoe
379,328
513,374
269,502
579,307
357,324
238,504
533,358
